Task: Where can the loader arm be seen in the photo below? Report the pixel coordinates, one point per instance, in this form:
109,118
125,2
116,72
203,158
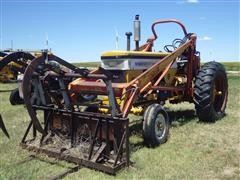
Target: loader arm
145,81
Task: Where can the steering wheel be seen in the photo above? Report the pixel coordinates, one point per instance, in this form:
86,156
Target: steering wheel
167,48
176,43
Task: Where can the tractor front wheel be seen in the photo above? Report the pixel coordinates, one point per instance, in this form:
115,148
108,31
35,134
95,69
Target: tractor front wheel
15,98
155,125
210,92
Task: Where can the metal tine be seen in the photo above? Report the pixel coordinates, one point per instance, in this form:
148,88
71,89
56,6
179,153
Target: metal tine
27,131
120,148
93,139
2,126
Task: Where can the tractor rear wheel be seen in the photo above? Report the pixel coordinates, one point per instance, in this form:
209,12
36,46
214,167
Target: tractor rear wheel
210,92
155,125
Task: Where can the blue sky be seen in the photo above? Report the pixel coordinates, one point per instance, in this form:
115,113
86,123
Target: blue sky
82,30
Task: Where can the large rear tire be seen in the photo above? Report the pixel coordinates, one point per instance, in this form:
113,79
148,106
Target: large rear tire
155,125
210,92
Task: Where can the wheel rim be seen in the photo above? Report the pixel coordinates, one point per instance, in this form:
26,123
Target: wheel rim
160,125
220,93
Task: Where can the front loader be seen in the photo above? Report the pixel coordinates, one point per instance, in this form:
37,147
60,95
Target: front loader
81,116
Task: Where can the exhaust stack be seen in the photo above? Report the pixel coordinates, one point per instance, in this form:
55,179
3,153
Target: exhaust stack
137,31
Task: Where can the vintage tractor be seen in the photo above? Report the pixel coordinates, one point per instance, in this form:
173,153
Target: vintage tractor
81,116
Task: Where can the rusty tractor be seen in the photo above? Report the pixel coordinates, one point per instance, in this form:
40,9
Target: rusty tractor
81,116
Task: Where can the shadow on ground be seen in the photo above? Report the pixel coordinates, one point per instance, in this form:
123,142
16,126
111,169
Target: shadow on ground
176,118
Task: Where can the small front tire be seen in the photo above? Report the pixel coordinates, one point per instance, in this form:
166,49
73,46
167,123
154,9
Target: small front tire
155,125
15,98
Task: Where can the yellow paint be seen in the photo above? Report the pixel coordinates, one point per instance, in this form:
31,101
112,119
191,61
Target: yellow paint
130,75
103,110
170,76
134,53
137,110
134,110
6,74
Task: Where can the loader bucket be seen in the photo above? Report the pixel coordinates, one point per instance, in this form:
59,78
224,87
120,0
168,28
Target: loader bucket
88,139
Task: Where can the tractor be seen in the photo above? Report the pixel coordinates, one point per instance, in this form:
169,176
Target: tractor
82,116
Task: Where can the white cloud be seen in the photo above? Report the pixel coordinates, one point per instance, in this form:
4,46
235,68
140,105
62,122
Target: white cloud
187,1
192,1
205,38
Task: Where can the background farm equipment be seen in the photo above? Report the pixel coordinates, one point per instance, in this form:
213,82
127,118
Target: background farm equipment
13,63
82,116
12,66
6,74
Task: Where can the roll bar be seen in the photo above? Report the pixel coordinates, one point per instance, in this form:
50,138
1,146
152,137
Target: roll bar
167,21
